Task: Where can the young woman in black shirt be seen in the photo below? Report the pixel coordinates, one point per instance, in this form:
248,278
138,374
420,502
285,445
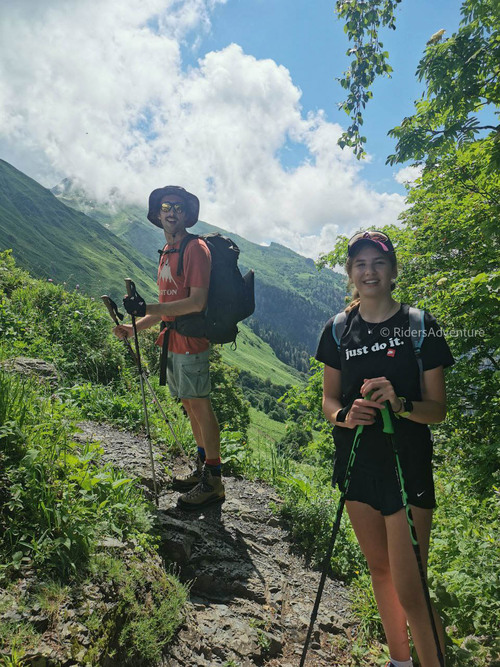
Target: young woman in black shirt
376,356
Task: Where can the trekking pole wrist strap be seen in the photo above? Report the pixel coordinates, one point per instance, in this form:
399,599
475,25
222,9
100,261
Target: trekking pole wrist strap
341,415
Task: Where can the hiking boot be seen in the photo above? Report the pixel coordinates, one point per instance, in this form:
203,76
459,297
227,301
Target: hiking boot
210,490
189,481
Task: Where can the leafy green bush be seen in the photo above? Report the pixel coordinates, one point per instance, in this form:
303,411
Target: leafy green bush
11,276
71,330
294,442
364,607
235,453
149,608
56,502
107,404
463,560
309,510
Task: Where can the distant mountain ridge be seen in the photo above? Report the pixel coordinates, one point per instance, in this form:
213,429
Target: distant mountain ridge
293,298
54,241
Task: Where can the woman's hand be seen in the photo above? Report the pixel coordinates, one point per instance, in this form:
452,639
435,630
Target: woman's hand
381,391
362,413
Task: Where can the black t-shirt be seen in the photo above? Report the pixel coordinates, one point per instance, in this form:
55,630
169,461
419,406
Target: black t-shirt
386,352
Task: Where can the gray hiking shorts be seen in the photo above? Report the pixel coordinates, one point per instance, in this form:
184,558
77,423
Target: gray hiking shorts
188,375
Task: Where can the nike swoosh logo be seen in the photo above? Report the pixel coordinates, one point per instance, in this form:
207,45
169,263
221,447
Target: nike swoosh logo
420,494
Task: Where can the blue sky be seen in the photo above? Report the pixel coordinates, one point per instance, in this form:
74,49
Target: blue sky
308,38
236,100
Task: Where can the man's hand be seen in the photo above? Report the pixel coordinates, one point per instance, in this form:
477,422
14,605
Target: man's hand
135,305
123,331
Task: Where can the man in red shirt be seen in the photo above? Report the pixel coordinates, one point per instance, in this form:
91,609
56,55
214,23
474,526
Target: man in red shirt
173,209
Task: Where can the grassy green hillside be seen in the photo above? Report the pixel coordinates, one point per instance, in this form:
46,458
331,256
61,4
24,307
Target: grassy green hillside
54,241
253,355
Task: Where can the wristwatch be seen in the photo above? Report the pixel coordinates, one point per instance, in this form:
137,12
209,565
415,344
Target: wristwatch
406,407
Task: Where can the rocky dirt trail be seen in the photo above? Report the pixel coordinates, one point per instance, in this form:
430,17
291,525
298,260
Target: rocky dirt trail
251,596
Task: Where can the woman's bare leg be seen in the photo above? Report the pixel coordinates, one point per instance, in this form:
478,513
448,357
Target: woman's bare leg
406,578
369,526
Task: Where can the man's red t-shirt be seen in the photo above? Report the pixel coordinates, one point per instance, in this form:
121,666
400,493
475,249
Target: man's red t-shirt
196,273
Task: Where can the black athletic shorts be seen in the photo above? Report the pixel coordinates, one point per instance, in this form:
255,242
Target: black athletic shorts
381,489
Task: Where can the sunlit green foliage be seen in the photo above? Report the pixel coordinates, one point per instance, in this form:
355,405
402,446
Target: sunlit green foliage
461,77
56,502
460,73
41,319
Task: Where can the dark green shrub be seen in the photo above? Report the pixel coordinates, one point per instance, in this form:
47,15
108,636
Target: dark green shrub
295,441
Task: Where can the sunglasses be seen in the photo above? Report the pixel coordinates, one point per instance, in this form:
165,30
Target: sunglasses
167,206
377,237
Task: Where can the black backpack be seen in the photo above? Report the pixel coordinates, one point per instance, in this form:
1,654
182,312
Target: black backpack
231,296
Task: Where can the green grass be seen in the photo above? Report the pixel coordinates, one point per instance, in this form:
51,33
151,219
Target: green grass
263,431
257,357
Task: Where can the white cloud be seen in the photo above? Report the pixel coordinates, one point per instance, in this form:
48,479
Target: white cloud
408,175
96,90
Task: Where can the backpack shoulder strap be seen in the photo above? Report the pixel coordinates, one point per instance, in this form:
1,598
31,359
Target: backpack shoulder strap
417,335
338,326
182,248
162,252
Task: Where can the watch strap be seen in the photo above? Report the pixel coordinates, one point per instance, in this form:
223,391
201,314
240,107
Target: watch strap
406,407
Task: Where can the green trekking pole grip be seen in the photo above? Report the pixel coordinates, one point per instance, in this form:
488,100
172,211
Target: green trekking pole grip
386,418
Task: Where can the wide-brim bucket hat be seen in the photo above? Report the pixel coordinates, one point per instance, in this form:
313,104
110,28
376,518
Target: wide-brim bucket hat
192,204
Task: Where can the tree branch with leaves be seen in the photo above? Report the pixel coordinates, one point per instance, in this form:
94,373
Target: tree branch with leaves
461,76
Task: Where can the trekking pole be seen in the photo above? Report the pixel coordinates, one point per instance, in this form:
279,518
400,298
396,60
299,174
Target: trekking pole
131,291
389,431
115,316
335,530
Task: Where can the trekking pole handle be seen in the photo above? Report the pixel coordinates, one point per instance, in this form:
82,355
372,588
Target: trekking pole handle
112,308
130,286
386,415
